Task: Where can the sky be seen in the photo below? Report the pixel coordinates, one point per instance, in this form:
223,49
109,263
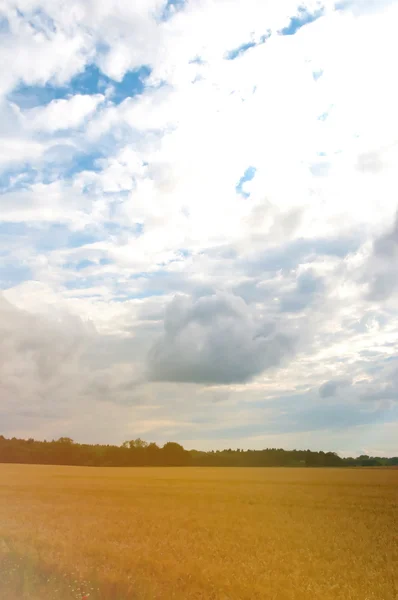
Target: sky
198,222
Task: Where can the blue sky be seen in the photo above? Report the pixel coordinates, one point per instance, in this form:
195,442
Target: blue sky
248,175
90,81
303,17
200,230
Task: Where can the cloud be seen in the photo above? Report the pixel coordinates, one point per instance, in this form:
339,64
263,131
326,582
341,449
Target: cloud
47,203
249,175
309,287
370,162
39,355
382,266
382,387
63,113
216,340
365,6
53,360
330,388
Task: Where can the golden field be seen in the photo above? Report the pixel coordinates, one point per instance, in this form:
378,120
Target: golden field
199,533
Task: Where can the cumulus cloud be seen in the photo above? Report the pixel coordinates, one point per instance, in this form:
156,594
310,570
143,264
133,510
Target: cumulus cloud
37,353
62,114
217,340
53,202
52,360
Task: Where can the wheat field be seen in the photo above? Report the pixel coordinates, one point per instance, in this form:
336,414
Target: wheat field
186,533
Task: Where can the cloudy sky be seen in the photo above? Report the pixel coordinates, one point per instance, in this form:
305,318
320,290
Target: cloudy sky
198,231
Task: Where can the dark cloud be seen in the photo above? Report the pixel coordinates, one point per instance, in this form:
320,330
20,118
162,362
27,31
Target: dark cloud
216,340
380,385
308,288
335,417
387,244
330,388
292,254
384,383
298,415
383,265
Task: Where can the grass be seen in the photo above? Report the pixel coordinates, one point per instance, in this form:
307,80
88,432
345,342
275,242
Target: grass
186,533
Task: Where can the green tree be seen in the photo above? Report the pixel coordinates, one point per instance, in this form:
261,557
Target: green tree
138,443
174,455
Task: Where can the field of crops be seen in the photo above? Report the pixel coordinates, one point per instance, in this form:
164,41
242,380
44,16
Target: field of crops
185,533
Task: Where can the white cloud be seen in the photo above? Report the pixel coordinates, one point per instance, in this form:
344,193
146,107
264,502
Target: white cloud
33,53
62,114
54,202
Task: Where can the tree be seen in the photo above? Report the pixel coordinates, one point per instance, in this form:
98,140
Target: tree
65,451
138,443
153,454
173,454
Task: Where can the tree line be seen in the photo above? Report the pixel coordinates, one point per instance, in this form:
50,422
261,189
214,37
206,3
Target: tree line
65,451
